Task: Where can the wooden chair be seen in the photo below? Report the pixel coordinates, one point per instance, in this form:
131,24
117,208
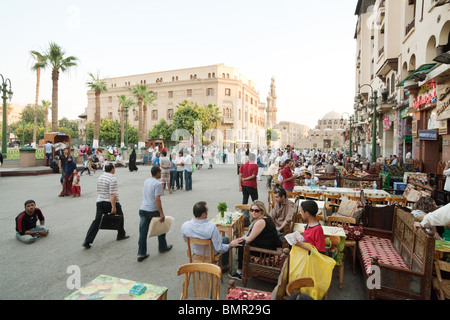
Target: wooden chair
441,286
208,254
396,199
332,201
271,200
205,281
242,207
376,200
312,195
293,194
340,222
353,198
297,285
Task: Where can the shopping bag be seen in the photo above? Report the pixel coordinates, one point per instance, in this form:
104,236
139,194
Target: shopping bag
157,227
311,264
111,222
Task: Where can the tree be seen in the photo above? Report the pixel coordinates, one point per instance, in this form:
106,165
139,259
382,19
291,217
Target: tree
272,135
149,100
55,58
70,127
186,115
108,131
210,117
99,86
40,63
162,129
140,91
124,103
46,105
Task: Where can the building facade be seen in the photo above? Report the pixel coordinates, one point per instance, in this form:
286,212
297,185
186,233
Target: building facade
243,114
400,46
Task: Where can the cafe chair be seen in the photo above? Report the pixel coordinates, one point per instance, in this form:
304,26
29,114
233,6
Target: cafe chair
376,200
312,195
348,224
441,286
297,285
203,278
242,207
271,200
293,194
208,254
397,200
332,201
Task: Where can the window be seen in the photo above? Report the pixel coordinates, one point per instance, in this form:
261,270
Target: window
154,114
170,114
189,92
227,92
170,94
110,99
210,92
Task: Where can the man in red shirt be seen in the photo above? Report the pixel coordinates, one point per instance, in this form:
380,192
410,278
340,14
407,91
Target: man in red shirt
247,179
288,177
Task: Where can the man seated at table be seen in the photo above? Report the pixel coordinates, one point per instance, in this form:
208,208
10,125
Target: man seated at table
309,179
26,228
282,212
200,227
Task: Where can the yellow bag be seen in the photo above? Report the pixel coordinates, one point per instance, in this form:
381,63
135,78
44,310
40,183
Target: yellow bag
315,265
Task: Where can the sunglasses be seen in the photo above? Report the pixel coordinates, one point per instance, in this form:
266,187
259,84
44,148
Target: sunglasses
255,210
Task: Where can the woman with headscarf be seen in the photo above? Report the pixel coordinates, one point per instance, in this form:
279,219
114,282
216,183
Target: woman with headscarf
68,177
132,161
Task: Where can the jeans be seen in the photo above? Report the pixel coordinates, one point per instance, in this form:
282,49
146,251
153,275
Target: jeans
179,179
188,179
48,159
144,224
27,238
103,207
173,176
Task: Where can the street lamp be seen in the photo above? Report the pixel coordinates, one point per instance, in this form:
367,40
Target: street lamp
4,97
126,107
374,122
350,122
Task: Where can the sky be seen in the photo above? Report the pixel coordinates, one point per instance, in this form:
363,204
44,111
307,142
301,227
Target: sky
307,46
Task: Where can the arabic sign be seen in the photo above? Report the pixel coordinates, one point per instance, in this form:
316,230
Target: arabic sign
428,134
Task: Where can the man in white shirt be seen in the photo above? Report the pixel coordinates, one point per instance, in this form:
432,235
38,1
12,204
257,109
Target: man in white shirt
48,147
151,207
188,171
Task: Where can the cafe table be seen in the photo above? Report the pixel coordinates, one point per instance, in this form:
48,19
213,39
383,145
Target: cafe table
442,249
233,227
320,205
342,191
338,255
106,287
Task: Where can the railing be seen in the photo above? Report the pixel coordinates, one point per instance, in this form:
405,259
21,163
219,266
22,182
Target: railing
381,51
410,26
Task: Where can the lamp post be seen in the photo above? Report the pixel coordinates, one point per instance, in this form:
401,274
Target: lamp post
125,108
350,122
374,121
4,97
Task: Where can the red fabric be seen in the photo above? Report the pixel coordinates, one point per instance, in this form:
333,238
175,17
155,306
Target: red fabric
384,249
287,173
247,294
314,236
76,190
353,232
247,170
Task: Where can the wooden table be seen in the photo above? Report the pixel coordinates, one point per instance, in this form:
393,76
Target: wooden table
320,205
232,230
343,191
105,287
330,231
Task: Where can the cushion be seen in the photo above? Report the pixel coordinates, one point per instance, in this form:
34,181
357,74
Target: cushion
247,294
271,260
384,249
353,232
347,207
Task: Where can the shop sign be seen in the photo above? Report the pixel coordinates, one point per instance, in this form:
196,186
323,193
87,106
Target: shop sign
386,123
443,110
427,134
427,95
404,113
443,127
414,128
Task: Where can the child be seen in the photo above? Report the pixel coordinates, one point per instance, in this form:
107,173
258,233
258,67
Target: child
313,233
76,189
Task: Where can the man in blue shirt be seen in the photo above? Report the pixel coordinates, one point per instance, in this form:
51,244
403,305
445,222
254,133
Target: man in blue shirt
201,228
151,207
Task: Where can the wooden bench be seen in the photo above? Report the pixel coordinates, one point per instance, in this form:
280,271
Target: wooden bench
404,258
366,182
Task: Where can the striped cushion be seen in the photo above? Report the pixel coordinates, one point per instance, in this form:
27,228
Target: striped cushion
384,249
247,294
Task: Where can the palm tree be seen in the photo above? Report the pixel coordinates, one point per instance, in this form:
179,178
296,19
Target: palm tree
55,58
149,100
140,91
46,105
40,63
124,103
98,86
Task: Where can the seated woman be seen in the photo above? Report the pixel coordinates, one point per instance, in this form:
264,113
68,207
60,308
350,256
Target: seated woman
262,234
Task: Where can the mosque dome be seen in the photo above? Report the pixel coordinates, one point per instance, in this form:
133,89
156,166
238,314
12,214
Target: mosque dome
332,115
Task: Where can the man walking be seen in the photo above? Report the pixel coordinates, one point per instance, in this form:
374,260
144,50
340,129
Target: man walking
48,147
107,202
151,207
247,179
188,171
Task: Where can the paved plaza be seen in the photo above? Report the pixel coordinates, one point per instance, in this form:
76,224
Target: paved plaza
40,270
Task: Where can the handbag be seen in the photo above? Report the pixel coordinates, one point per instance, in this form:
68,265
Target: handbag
111,222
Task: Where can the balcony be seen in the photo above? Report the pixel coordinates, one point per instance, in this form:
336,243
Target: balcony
410,26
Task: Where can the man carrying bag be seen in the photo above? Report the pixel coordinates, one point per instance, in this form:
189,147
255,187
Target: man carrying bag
107,203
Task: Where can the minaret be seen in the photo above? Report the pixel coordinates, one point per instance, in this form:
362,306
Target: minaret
272,106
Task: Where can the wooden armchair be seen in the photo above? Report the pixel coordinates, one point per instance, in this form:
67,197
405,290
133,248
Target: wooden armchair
271,200
205,281
349,243
262,263
297,285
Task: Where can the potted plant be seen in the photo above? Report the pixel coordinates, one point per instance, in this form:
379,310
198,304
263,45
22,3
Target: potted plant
222,207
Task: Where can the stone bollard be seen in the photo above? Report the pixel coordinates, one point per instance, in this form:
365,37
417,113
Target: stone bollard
27,157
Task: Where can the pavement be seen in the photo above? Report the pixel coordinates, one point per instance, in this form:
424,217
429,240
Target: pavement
44,270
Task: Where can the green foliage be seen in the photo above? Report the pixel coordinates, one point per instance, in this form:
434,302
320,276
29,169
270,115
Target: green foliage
162,129
108,130
222,207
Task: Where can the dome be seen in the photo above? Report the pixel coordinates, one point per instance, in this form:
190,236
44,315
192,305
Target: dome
331,116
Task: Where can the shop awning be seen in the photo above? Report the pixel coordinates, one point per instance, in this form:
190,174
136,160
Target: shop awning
419,74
